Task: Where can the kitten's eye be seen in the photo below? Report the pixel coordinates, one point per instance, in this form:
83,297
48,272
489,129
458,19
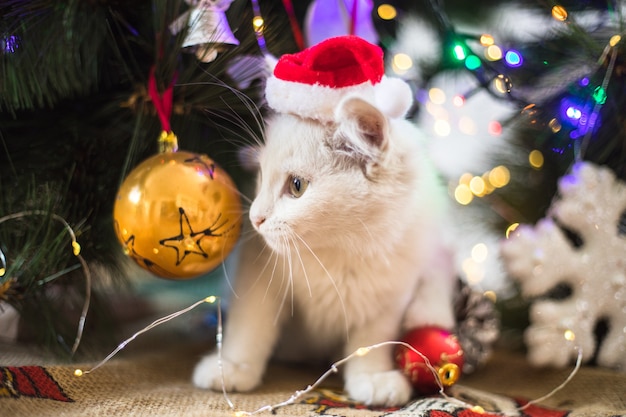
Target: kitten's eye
297,186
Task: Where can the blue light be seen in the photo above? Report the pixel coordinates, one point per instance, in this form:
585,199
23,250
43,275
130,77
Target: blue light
513,58
573,113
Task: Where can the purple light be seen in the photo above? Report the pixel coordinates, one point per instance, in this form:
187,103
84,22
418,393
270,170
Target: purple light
584,82
513,58
10,44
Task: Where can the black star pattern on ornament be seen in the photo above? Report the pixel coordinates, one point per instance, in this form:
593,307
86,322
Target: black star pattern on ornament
209,167
129,247
187,241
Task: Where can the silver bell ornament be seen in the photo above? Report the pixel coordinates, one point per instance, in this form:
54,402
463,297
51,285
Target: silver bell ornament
208,30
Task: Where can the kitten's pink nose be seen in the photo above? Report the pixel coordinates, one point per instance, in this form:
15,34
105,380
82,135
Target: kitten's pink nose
257,221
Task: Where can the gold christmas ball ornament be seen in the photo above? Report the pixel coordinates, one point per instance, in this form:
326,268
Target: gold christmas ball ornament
178,214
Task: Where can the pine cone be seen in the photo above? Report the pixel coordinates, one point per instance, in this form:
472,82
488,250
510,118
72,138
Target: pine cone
478,325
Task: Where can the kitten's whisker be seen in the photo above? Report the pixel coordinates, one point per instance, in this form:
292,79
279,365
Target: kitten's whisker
332,280
248,103
306,276
290,266
286,291
269,284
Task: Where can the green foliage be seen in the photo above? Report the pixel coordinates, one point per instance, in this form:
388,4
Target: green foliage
75,118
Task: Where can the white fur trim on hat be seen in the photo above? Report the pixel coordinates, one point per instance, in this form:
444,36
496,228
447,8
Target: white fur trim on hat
311,101
392,96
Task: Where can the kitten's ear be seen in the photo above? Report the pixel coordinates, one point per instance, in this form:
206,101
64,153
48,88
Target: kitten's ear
363,126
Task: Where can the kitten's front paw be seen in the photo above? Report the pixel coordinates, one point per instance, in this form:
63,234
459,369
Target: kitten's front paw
237,376
390,388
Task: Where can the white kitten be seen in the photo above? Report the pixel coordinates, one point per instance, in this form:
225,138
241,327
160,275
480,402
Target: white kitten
353,216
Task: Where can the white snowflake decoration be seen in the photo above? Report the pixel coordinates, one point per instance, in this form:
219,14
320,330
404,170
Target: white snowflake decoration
592,202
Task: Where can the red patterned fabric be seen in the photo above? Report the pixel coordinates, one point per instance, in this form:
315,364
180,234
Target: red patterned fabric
30,381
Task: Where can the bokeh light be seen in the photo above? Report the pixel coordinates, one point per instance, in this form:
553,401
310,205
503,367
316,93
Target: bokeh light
615,39
472,63
459,52
559,13
499,176
502,84
513,58
487,40
511,229
494,128
442,127
401,62
493,53
480,252
463,195
535,159
555,125
458,100
387,12
436,95
477,186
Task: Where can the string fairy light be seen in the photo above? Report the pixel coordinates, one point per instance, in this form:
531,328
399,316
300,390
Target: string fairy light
333,369
611,48
75,250
210,299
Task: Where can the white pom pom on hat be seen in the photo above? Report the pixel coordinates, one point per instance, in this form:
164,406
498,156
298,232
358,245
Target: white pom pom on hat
312,82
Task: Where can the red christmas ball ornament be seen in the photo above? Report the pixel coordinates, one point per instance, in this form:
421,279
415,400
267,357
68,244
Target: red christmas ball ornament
442,350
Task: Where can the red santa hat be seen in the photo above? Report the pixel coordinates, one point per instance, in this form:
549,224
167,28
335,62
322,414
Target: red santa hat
312,82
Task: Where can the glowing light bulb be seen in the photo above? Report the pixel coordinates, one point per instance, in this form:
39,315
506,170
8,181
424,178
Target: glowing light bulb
511,229
486,40
257,23
555,125
473,272
478,409
442,127
513,58
463,195
615,39
569,335
573,113
362,351
401,62
210,299
493,53
386,12
76,248
472,62
502,84
467,125
78,372
9,44
466,178
477,186
559,13
436,95
459,52
491,295
599,95
499,176
535,159
458,101
494,128
480,252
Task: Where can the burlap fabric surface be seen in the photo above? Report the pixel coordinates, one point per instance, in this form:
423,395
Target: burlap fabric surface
155,381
